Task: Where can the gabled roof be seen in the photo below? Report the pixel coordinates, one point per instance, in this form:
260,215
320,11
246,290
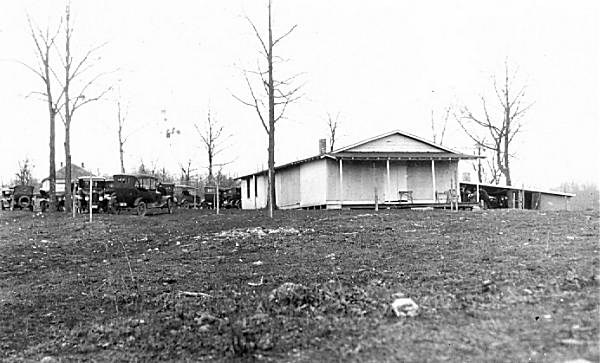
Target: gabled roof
400,133
421,149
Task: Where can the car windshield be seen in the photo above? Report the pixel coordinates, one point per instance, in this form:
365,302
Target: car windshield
123,179
147,183
85,183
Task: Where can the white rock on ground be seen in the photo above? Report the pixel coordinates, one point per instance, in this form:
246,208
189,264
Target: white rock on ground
405,306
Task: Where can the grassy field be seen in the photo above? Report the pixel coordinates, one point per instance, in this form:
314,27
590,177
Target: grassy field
307,286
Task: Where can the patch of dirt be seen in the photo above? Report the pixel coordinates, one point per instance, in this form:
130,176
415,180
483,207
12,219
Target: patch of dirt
305,286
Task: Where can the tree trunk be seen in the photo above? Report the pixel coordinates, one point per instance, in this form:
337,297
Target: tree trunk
271,163
68,200
210,164
121,142
52,177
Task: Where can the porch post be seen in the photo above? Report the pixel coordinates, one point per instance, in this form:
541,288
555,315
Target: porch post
459,197
253,191
341,184
433,189
477,193
389,184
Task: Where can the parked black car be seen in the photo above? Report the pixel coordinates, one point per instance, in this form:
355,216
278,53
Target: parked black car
185,196
22,197
6,198
139,192
83,194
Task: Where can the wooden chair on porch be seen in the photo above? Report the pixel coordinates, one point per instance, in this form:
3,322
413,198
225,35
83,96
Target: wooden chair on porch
452,198
405,196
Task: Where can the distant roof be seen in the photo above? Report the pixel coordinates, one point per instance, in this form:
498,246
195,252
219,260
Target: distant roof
76,172
432,151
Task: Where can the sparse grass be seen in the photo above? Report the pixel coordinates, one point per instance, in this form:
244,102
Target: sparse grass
491,286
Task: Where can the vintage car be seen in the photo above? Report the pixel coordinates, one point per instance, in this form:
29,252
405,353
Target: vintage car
22,197
139,192
6,198
231,197
228,197
83,194
210,196
185,196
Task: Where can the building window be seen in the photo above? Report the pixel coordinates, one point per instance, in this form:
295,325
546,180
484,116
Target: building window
248,188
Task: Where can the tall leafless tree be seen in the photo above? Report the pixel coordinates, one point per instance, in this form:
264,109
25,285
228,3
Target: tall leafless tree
122,118
74,99
279,94
213,138
332,124
438,135
495,133
44,42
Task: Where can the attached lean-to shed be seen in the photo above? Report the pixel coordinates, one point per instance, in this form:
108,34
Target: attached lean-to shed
395,168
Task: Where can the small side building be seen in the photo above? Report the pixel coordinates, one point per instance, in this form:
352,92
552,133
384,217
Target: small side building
503,196
395,168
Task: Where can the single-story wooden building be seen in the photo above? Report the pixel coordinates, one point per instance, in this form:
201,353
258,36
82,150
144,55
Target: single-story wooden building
395,168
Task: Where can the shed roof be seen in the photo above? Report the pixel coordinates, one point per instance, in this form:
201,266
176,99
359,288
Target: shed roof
513,187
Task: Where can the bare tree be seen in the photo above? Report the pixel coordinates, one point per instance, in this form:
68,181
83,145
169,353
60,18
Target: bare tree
438,135
279,95
186,172
44,42
121,117
333,125
74,99
24,175
496,134
212,138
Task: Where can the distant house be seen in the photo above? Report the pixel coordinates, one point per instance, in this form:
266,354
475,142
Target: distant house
395,168
76,172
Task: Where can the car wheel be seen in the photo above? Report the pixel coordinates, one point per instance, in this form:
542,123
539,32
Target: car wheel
44,206
141,209
185,204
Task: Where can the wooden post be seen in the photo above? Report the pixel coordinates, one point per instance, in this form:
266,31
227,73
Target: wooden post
389,184
217,195
91,200
433,179
341,184
73,194
477,194
376,200
196,194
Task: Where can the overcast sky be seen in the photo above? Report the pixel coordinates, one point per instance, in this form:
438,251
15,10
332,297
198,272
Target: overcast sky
382,65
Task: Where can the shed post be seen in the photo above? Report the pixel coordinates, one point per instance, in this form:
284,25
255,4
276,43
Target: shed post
433,188
477,193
